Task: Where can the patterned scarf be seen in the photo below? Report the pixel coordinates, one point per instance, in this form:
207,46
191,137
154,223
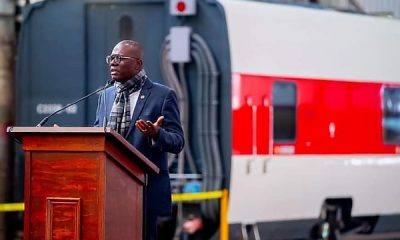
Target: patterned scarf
120,116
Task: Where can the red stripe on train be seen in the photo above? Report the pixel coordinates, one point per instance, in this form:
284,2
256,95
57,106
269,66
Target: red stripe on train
332,117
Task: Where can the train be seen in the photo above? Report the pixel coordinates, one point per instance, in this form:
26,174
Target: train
295,109
315,110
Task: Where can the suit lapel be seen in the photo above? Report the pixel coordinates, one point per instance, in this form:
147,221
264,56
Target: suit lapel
143,96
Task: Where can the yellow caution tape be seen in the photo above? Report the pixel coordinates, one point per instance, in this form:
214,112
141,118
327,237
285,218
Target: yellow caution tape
11,207
180,197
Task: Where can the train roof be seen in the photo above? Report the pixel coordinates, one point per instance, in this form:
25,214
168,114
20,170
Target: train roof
285,40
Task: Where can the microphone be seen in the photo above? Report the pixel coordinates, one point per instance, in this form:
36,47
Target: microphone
44,120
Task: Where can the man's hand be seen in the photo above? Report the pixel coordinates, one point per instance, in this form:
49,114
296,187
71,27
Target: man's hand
193,225
150,129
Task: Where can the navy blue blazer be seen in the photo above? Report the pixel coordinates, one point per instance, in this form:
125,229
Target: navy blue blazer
154,100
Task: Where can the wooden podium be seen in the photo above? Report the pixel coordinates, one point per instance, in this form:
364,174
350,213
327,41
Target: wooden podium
82,183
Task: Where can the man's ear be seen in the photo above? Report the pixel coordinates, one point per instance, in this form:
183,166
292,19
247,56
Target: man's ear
140,64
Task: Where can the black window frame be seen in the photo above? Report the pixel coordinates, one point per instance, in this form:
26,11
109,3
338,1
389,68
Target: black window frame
393,97
286,103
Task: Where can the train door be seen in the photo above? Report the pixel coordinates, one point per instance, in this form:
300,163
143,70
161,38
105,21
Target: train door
252,113
107,24
264,128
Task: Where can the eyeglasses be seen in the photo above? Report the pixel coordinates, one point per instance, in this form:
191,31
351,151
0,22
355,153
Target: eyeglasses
117,58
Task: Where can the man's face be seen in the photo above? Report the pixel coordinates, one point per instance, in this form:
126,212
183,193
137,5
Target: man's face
124,62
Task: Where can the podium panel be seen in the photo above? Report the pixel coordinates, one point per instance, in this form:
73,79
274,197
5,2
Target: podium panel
82,183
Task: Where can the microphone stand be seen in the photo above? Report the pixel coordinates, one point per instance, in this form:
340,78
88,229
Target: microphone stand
44,120
105,113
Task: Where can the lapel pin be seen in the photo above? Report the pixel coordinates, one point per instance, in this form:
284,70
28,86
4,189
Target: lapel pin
142,97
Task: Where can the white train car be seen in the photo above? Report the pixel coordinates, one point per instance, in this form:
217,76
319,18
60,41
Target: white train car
316,116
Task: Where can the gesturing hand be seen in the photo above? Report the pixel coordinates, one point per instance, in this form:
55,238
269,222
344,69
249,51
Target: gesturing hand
150,129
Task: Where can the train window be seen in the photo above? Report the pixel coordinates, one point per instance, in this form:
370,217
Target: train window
284,102
391,115
125,28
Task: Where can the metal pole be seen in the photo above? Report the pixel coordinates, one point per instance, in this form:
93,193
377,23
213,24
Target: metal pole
224,227
7,38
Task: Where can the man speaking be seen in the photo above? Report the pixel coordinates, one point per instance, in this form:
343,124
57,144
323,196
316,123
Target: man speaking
146,114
